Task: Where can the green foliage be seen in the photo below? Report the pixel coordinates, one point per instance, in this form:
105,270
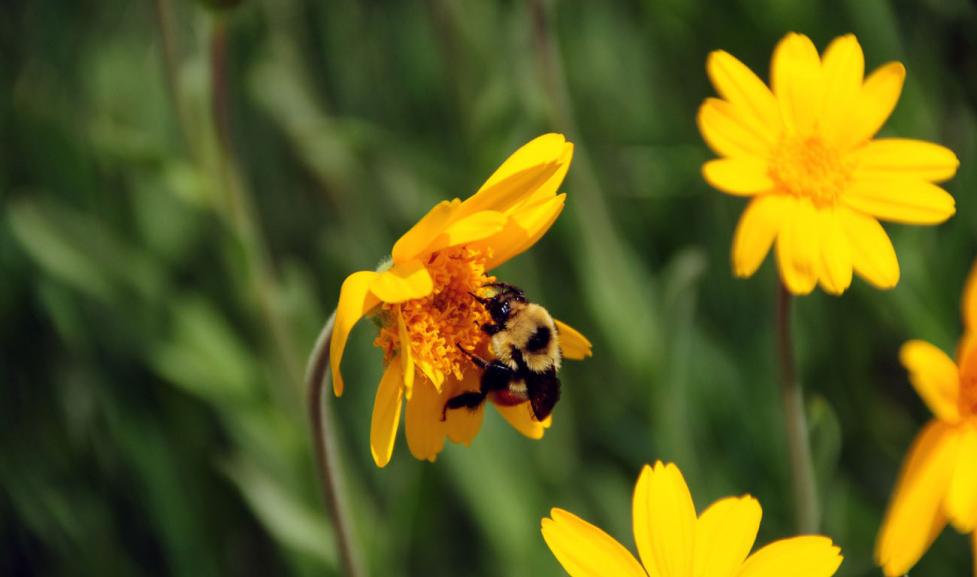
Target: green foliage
159,294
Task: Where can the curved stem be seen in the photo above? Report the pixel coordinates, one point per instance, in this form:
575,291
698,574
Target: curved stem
795,420
323,440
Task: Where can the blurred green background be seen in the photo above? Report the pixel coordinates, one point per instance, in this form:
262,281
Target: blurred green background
183,191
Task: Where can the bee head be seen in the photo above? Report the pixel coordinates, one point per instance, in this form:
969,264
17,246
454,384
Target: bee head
500,304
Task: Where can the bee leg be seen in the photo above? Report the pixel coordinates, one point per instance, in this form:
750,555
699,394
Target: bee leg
479,361
490,328
470,400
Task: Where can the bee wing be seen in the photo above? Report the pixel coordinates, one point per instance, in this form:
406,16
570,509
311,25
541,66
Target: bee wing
543,390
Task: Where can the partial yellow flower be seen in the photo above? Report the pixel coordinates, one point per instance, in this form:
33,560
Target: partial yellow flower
938,483
673,542
423,299
804,153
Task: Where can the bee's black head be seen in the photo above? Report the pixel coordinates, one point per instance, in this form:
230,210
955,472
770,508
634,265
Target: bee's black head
499,305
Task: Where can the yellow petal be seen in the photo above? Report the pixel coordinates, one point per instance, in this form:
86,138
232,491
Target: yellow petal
876,101
750,97
738,176
537,168
758,227
462,424
470,229
386,413
585,550
796,79
573,344
843,68
798,248
836,259
961,502
425,430
664,521
354,301
908,201
724,535
873,256
915,515
904,158
403,282
416,240
808,556
521,418
731,132
406,355
935,377
969,300
525,226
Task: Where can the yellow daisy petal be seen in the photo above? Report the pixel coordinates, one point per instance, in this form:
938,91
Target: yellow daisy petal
537,167
521,418
462,424
585,550
403,282
425,430
915,516
419,237
525,226
406,356
731,133
873,256
905,201
664,521
796,79
969,301
836,260
469,229
843,67
354,301
808,556
961,501
573,344
757,229
904,158
386,413
738,176
935,377
798,248
876,101
724,535
748,96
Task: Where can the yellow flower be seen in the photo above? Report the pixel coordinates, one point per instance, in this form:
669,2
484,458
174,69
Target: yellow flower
423,299
938,482
673,542
804,151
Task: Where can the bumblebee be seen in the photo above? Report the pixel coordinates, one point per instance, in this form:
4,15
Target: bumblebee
527,353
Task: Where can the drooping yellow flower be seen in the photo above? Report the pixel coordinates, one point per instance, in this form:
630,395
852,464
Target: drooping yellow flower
938,482
803,150
673,542
423,298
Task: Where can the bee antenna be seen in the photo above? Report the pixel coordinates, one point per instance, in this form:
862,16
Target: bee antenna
482,300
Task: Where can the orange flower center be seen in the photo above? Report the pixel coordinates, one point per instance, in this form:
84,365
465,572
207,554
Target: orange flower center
808,167
968,393
447,317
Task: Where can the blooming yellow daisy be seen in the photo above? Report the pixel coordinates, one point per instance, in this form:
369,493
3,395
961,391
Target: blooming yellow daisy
673,542
938,482
423,300
803,150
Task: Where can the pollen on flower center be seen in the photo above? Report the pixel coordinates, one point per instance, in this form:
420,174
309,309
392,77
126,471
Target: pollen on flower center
448,317
809,167
968,393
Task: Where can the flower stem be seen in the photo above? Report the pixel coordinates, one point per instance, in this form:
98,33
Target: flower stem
323,439
798,440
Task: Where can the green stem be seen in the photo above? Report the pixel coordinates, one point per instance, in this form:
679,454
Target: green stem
795,420
323,439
